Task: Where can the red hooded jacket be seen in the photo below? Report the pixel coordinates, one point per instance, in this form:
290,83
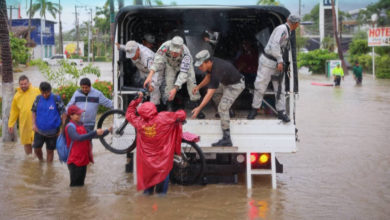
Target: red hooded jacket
158,138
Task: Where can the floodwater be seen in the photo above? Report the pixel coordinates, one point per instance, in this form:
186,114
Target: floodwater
340,171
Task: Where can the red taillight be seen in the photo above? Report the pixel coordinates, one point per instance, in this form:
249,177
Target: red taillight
253,158
260,160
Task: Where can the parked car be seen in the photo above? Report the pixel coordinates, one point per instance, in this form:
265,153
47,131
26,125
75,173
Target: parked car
55,60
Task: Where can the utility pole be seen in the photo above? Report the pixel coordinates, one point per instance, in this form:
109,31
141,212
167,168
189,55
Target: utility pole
29,25
340,50
89,34
10,18
60,27
300,2
11,8
77,31
112,22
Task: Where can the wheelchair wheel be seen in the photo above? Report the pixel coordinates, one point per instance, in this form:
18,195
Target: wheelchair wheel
122,138
189,168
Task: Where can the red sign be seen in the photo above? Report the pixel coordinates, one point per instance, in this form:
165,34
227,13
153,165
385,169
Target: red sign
379,36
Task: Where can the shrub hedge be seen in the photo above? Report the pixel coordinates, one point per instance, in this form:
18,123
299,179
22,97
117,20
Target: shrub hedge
315,60
66,92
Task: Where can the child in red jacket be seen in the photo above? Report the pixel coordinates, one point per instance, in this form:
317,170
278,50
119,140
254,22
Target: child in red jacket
158,139
81,152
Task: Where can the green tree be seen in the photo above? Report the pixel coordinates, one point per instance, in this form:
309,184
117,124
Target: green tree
20,53
381,8
59,76
313,16
358,47
328,44
44,7
299,39
268,2
102,18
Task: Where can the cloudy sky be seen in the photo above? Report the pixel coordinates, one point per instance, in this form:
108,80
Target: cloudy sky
68,15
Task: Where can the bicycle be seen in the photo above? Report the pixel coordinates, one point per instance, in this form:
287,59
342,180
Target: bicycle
187,168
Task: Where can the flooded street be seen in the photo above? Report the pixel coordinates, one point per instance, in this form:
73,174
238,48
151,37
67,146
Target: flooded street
340,171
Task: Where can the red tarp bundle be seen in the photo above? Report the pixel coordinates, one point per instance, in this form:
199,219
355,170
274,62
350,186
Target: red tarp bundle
158,138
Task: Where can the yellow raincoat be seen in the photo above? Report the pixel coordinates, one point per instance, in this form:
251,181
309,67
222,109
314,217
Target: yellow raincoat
21,109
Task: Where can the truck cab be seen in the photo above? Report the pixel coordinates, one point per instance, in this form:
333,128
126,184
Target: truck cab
237,34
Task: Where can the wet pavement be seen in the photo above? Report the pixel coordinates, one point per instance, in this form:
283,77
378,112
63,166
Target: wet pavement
340,171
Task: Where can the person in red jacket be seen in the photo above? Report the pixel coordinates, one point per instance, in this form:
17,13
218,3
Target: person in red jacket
158,139
81,152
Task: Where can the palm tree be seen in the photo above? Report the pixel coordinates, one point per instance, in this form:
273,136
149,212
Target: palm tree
44,6
268,2
29,26
7,83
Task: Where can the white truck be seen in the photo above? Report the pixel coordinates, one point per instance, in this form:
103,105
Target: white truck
55,60
256,142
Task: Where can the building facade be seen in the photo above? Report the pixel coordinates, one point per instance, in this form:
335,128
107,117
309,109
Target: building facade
43,35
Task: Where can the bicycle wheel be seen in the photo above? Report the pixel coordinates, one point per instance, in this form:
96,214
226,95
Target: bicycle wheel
188,168
122,138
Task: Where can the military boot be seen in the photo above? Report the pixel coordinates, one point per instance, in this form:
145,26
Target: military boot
283,116
225,141
252,114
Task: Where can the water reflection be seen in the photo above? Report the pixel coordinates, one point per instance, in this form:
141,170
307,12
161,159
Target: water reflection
257,209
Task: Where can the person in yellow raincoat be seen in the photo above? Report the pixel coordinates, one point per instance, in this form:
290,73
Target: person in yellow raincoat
21,109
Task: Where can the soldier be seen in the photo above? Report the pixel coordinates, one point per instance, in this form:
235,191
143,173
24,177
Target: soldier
219,73
142,57
271,66
175,57
149,41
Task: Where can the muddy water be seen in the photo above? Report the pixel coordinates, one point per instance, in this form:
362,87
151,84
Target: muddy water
341,171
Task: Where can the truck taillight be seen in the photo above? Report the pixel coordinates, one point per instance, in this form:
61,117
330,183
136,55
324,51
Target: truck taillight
260,160
264,158
253,157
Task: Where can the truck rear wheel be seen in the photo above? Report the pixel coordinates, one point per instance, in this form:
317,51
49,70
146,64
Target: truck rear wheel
188,169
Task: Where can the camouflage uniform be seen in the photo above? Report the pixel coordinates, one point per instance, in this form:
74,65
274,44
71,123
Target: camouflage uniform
225,96
183,64
143,64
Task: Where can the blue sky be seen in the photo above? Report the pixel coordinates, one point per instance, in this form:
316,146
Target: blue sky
68,17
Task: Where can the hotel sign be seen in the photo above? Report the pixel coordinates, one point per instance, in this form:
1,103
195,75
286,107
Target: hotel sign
379,36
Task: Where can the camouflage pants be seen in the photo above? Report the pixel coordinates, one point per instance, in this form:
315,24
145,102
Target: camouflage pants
226,95
264,74
170,79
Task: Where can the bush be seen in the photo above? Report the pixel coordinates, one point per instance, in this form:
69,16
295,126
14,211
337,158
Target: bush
365,60
357,48
20,53
100,59
66,92
75,56
382,64
315,60
106,88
